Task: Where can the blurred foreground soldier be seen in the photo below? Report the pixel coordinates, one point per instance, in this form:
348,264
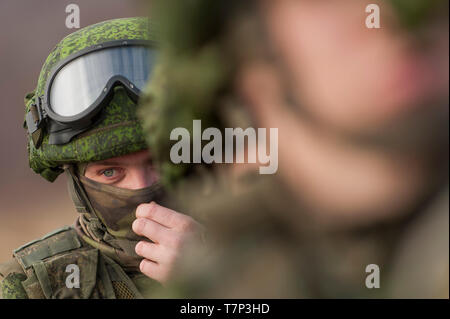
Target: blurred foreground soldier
359,205
81,119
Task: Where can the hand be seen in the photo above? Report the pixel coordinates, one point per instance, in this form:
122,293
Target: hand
170,232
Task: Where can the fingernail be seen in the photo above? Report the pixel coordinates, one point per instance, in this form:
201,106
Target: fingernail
138,248
142,265
137,210
138,225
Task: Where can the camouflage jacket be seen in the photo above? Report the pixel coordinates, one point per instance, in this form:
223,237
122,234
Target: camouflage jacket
264,244
52,267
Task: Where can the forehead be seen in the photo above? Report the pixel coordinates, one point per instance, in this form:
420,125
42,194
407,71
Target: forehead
135,158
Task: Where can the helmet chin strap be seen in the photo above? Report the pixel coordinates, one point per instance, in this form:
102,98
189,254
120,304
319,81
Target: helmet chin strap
82,203
77,193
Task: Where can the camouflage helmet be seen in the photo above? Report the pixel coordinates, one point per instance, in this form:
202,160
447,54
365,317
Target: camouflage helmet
118,133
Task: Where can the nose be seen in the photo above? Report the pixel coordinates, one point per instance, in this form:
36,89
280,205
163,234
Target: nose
140,177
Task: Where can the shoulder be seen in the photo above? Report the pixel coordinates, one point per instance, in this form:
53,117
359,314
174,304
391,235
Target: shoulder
56,242
420,266
10,267
11,277
21,276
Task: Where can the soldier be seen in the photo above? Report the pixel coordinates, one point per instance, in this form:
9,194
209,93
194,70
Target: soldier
81,120
359,206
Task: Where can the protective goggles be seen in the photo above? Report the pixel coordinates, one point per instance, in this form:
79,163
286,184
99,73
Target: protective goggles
82,84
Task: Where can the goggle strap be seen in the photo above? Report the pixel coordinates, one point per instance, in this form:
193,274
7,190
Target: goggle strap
34,118
79,196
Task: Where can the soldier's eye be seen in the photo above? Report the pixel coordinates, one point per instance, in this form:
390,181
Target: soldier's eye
108,172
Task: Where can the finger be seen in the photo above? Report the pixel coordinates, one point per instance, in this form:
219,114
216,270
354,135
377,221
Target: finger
163,215
153,270
150,229
152,252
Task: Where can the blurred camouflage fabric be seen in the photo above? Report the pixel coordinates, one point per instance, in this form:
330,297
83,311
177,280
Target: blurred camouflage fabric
261,241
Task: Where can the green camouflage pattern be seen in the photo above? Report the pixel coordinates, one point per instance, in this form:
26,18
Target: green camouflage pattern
263,243
110,30
197,65
11,287
100,276
187,81
119,133
191,100
414,13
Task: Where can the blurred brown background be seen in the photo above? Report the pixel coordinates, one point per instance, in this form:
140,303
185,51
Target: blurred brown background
29,205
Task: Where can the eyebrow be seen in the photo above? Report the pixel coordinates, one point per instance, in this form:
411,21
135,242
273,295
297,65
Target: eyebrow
108,162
